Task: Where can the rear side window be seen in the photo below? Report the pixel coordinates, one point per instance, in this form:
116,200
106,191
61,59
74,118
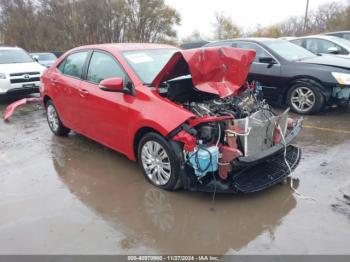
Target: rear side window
346,36
297,42
73,64
103,66
260,52
223,44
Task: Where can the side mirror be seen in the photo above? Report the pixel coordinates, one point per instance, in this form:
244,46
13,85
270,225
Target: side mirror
36,58
115,84
333,50
267,60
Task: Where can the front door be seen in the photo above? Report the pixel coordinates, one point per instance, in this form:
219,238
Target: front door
104,113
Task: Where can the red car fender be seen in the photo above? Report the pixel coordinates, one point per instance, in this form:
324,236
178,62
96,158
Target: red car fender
188,140
163,121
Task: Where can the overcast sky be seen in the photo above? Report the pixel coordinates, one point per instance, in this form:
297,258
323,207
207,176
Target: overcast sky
199,14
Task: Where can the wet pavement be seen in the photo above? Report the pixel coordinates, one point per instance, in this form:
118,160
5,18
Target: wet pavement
74,196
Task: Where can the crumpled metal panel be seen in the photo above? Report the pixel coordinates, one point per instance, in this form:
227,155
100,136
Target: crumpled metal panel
219,70
10,109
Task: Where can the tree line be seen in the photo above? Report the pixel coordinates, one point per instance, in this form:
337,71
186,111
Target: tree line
332,16
43,25
46,25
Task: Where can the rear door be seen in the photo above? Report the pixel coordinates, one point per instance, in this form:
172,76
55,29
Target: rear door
66,81
269,76
105,114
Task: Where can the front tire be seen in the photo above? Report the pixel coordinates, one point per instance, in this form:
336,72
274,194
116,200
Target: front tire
305,98
158,161
54,120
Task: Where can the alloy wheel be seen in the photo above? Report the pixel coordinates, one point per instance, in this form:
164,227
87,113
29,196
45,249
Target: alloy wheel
303,99
156,163
52,118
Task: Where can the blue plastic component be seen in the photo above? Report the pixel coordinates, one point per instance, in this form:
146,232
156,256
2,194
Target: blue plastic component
204,160
341,93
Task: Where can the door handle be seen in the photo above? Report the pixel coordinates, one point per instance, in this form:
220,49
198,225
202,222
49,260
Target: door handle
83,92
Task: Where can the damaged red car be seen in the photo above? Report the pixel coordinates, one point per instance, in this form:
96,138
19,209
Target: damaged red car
187,117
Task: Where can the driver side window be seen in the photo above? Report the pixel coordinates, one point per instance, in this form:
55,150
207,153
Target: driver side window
260,52
103,66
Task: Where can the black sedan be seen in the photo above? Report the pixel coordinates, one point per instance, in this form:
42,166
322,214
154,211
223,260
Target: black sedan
291,75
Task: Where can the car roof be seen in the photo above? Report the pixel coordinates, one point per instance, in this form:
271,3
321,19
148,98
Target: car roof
9,47
327,37
250,39
41,53
336,32
126,46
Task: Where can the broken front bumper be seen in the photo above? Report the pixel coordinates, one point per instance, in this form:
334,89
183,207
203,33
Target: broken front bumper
256,172
258,157
251,178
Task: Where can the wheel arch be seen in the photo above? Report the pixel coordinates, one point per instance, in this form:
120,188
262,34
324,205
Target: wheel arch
139,134
46,99
305,79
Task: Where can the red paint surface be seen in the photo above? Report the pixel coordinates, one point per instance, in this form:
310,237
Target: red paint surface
188,140
114,119
219,70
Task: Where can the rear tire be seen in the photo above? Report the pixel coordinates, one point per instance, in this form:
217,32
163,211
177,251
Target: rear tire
159,162
54,120
305,97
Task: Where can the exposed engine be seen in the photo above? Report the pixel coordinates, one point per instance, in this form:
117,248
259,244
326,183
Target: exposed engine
249,127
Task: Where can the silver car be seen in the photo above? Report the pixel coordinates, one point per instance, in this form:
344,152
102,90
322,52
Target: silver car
324,44
45,59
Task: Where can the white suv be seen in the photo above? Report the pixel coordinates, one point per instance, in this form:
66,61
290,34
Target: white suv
19,73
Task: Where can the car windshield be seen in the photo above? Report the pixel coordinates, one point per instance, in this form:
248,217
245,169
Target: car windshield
45,56
148,63
289,51
10,56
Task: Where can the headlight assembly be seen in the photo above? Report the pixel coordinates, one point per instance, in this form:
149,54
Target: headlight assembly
343,79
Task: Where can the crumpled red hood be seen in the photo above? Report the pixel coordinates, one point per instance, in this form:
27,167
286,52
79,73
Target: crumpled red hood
217,70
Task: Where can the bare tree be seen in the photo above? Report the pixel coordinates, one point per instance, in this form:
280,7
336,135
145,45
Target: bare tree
63,24
193,37
225,27
17,19
328,17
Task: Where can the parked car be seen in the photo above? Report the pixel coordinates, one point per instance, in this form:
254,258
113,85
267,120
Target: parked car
172,111
45,59
324,44
19,73
57,53
291,75
192,45
342,34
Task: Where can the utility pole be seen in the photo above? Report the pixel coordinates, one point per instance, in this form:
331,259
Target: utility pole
306,11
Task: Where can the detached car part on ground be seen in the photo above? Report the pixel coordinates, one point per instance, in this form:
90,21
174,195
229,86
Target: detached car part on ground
196,126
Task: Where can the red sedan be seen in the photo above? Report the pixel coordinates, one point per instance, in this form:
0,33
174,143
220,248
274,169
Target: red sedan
187,117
